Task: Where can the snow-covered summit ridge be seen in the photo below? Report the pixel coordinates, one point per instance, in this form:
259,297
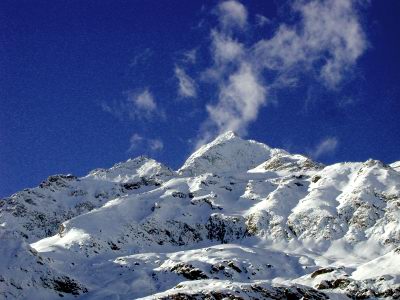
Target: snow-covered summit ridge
240,220
141,166
227,153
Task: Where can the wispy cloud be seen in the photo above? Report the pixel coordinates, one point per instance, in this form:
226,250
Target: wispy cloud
138,105
325,43
186,85
232,14
262,20
329,38
137,141
239,100
190,56
143,101
142,57
227,53
326,146
156,144
225,48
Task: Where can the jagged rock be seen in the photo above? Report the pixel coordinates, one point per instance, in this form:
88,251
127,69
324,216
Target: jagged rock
225,228
188,271
321,271
64,284
243,291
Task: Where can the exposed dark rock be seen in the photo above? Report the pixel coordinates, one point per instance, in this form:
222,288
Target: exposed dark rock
254,292
179,195
131,185
144,181
315,178
217,267
207,201
225,228
189,272
30,201
232,265
64,284
113,246
321,271
57,181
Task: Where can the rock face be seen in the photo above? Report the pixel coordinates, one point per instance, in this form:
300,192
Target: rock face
239,220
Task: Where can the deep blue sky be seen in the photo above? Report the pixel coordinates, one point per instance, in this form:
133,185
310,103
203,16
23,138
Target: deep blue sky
62,62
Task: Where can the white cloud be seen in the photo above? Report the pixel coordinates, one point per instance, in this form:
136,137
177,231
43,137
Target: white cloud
226,52
156,144
232,14
224,48
143,101
325,43
326,146
281,52
239,101
186,85
328,39
341,35
137,141
139,105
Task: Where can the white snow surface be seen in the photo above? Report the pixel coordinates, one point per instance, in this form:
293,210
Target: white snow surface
396,165
228,153
239,218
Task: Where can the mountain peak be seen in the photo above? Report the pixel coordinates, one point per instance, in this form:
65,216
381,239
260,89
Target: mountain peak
141,166
228,135
227,153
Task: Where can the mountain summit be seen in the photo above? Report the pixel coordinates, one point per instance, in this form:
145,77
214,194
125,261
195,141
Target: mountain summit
239,220
227,153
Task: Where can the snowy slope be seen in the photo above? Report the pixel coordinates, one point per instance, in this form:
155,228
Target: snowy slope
228,153
396,166
237,219
38,212
25,273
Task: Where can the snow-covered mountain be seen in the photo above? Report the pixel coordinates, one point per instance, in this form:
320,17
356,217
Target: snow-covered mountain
239,220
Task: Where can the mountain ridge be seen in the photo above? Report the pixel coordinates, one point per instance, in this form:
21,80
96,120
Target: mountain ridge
249,219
